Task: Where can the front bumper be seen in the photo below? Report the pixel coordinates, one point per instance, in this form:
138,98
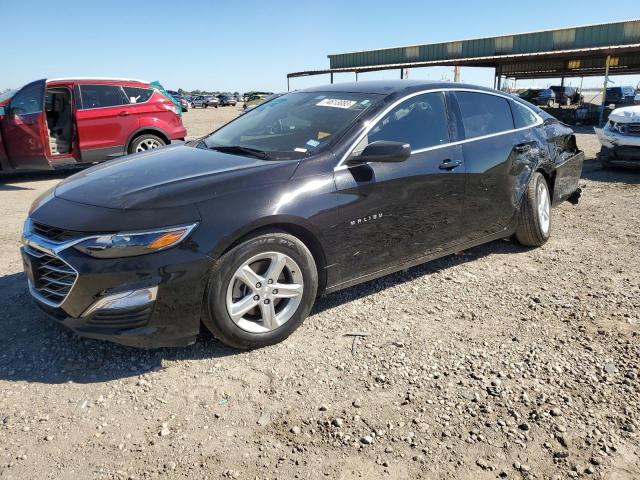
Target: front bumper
612,139
99,302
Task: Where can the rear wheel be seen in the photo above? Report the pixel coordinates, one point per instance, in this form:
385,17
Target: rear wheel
260,291
534,226
146,142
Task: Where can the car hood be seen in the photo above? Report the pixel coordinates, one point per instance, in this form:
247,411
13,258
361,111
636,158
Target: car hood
626,114
170,177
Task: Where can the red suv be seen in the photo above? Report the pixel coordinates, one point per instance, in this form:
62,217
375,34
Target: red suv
61,122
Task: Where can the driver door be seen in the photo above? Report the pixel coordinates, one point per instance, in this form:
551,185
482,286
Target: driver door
397,212
24,129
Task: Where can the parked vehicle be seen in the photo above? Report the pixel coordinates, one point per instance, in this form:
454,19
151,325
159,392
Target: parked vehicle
61,122
255,99
620,138
539,96
620,96
637,99
247,108
184,104
323,189
205,101
227,100
567,95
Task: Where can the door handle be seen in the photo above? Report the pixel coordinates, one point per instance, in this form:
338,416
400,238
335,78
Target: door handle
449,164
123,113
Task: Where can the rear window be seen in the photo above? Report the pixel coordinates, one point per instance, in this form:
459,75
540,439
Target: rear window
100,96
138,95
522,116
484,114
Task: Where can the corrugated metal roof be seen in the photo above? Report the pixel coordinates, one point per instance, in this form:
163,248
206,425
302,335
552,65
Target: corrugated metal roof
622,33
596,55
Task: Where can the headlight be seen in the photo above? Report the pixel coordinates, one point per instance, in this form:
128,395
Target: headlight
135,243
621,128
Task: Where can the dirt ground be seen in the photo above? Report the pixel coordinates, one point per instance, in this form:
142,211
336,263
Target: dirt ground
497,362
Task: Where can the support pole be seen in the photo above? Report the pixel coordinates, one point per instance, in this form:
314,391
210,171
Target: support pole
456,73
288,88
402,74
561,89
331,77
604,89
356,76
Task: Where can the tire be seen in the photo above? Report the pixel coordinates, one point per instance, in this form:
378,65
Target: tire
534,227
145,142
604,156
250,329
205,105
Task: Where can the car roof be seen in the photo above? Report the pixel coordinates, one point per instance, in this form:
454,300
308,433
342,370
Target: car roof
105,79
388,87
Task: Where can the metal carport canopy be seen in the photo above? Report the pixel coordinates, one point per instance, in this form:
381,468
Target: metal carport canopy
566,52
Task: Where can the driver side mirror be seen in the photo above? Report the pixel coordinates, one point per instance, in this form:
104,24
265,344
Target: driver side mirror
382,151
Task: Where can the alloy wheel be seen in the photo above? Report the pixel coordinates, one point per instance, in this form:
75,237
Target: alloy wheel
544,210
148,144
264,292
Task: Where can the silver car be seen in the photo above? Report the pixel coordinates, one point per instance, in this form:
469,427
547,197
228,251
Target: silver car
205,101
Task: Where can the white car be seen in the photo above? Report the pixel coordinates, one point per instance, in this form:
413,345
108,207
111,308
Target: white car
620,138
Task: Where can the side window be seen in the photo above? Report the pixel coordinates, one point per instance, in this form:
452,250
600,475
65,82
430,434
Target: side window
420,121
484,114
522,116
137,95
100,96
28,100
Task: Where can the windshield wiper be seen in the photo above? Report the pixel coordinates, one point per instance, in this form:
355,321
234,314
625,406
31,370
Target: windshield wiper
254,152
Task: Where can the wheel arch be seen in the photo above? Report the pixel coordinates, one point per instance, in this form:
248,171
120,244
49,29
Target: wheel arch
147,130
296,228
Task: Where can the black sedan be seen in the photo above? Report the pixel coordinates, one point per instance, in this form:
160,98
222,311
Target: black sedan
312,192
539,96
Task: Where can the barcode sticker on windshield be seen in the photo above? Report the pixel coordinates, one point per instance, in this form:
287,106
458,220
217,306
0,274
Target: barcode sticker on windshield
336,102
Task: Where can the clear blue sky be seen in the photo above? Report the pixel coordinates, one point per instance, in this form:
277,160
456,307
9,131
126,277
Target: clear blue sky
250,44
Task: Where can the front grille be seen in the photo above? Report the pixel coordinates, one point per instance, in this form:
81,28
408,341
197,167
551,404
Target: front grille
53,233
52,277
633,129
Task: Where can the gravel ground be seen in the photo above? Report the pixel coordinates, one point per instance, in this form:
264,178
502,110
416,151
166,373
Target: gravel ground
497,362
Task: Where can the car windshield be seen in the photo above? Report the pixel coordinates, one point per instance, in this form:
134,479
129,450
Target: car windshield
294,125
530,93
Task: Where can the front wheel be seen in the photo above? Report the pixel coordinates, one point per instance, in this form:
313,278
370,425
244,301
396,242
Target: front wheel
261,291
534,225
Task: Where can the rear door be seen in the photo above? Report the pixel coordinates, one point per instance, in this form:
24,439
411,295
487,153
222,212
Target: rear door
23,128
494,153
105,122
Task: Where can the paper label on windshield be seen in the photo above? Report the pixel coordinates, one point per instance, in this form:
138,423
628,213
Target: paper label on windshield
336,103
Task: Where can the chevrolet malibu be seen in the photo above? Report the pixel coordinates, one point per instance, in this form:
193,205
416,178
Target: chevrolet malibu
307,194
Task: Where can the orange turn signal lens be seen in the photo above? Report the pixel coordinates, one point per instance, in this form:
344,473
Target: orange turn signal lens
167,239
